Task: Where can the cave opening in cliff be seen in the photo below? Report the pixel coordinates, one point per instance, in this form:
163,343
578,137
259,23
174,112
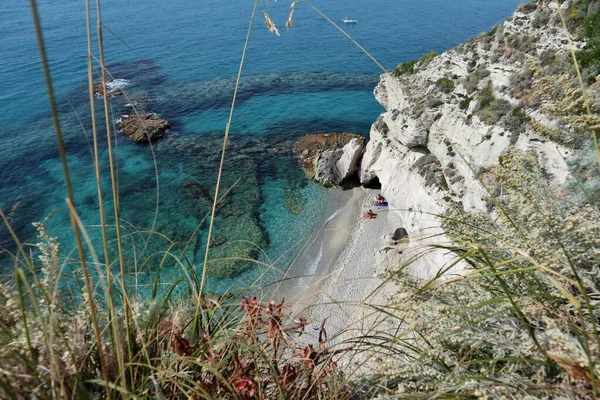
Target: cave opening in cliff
373,184
351,182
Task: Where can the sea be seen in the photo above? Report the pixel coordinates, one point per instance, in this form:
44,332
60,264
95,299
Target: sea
180,59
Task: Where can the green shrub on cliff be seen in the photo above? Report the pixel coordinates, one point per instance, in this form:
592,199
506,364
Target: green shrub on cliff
590,56
561,96
465,103
445,85
428,56
491,109
405,68
585,185
409,67
583,19
516,121
540,19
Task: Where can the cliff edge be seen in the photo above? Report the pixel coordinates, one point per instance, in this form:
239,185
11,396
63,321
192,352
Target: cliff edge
450,118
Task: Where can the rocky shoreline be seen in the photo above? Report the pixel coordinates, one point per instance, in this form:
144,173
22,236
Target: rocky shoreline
450,118
447,125
330,159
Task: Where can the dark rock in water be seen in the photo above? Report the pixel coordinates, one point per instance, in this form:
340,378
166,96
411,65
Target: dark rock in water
330,158
146,128
110,93
280,150
238,235
116,92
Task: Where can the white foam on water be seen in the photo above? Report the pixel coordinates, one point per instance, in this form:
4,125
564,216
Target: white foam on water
313,266
117,84
339,210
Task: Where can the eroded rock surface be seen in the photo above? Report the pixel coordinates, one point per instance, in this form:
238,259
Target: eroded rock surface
146,128
455,116
330,159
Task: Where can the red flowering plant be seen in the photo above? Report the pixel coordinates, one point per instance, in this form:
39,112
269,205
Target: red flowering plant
257,354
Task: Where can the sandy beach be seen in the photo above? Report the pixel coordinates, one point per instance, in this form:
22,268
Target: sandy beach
349,278
340,275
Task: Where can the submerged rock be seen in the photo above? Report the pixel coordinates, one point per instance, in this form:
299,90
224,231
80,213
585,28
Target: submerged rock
330,159
98,91
238,235
145,128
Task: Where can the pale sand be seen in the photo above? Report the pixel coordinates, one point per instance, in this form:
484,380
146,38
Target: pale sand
331,241
349,279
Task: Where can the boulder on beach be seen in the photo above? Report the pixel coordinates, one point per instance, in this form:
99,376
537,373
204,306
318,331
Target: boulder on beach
330,159
399,234
144,128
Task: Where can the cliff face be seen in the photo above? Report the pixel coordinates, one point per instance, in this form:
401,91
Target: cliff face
450,118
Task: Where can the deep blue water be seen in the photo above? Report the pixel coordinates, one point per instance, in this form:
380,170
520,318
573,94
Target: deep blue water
180,60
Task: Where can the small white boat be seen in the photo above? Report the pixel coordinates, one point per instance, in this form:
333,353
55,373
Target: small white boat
349,21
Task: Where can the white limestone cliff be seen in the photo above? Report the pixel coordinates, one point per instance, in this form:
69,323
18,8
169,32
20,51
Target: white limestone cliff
427,147
336,165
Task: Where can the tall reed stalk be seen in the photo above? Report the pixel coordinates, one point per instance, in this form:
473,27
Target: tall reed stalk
67,177
114,327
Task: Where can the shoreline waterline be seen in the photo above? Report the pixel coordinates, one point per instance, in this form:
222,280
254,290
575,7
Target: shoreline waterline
315,257
350,276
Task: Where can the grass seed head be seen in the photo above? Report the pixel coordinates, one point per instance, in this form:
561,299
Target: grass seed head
270,25
290,21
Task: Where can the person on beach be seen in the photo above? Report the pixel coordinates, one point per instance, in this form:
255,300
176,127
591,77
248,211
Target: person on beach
370,214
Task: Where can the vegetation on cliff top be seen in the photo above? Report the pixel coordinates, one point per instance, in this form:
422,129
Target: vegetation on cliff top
409,67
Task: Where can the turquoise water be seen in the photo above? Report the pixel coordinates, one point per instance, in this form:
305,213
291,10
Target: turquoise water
180,61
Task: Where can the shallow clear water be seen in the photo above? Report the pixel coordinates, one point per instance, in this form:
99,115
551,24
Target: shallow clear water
184,59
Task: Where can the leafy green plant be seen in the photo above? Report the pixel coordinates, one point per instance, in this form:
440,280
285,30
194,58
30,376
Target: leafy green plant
516,120
405,68
541,18
446,85
492,32
465,103
491,109
590,56
409,67
427,57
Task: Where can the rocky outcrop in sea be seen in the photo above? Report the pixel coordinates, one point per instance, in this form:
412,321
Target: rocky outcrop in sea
143,128
330,159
